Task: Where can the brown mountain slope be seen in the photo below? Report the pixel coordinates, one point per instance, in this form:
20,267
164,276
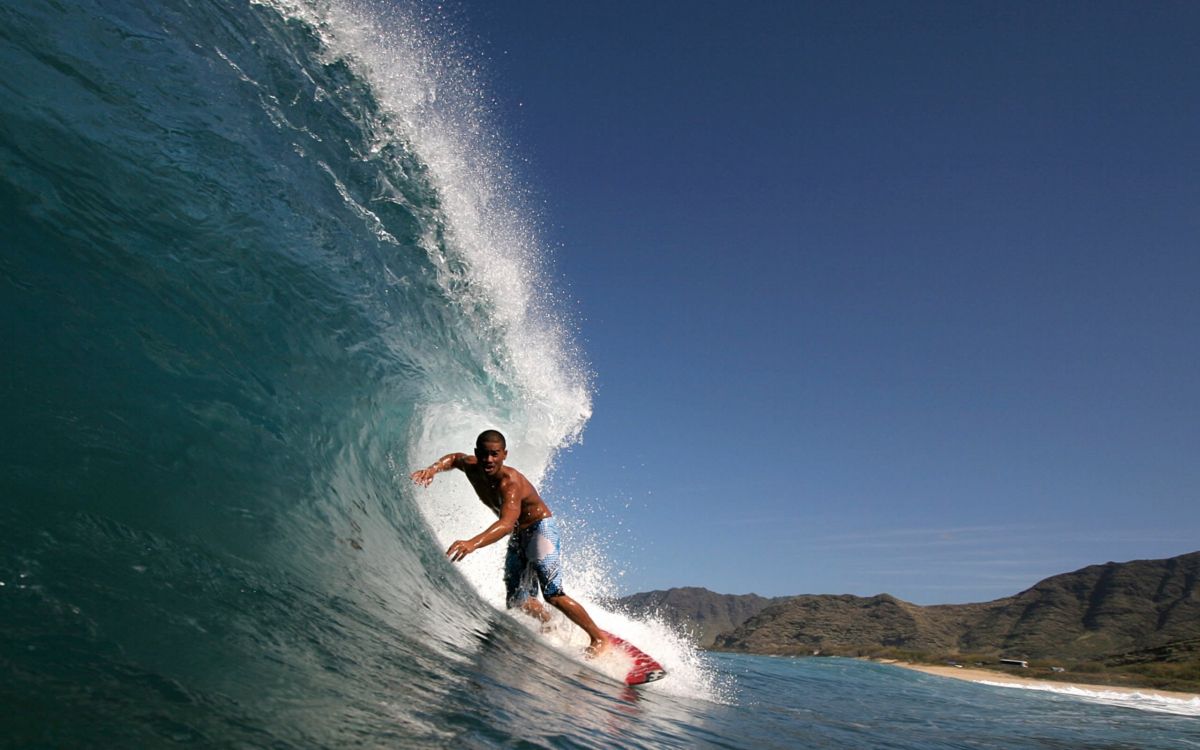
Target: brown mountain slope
1095,612
1099,610
698,611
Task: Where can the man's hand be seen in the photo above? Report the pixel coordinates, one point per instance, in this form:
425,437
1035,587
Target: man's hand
461,549
424,477
445,463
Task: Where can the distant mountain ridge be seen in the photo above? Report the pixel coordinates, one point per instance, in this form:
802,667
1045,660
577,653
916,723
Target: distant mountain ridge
1096,612
701,612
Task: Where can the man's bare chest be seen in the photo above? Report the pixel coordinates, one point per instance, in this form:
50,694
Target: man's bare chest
488,493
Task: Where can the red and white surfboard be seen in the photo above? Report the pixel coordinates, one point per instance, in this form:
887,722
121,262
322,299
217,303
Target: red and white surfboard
644,669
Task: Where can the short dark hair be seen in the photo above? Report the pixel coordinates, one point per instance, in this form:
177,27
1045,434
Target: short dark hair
491,436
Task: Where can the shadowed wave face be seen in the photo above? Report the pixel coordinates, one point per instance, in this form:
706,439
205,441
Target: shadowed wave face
252,271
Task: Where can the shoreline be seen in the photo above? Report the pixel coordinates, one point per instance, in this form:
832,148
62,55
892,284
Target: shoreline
987,675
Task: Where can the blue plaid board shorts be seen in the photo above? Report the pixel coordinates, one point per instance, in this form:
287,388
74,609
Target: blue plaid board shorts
533,559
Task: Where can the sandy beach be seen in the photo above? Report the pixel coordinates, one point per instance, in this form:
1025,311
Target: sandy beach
988,675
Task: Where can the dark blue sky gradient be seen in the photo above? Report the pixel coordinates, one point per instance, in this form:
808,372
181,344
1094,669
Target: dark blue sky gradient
881,296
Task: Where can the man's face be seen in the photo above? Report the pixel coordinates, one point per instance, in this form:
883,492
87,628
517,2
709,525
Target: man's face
491,457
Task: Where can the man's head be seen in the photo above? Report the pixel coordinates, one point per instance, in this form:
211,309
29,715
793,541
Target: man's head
491,436
490,450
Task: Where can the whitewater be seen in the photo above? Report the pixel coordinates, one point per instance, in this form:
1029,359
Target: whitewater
260,261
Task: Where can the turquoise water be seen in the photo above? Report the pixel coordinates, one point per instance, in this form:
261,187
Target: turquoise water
831,703
260,260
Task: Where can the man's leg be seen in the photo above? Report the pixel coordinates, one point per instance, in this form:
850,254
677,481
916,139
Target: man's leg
544,556
578,615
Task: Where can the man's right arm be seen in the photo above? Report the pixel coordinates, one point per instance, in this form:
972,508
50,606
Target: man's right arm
450,461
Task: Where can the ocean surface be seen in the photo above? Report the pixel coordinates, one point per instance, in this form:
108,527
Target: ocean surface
259,261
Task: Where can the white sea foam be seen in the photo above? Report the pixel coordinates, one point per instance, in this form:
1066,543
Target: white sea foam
491,259
483,243
1133,698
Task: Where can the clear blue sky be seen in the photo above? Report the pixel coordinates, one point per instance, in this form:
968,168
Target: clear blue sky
896,297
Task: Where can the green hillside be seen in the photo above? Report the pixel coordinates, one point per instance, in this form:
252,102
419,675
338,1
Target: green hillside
1115,622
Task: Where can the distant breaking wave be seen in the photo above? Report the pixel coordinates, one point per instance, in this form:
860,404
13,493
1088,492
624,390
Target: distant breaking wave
1137,699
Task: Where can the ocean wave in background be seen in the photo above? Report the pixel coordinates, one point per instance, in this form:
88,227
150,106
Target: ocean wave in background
1141,700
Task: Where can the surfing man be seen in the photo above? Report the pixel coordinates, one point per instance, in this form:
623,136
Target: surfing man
533,547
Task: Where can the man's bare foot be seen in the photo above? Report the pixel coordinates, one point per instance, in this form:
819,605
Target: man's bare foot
596,647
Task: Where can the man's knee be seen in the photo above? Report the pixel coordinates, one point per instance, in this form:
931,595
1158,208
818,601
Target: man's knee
558,601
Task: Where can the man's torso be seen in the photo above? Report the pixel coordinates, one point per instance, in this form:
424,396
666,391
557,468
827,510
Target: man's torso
533,508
